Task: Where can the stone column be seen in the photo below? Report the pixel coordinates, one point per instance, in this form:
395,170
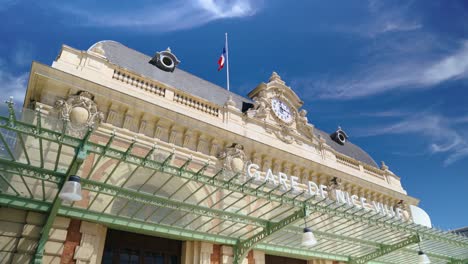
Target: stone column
227,255
205,252
258,257
91,245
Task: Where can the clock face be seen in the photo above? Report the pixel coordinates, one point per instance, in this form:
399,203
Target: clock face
282,110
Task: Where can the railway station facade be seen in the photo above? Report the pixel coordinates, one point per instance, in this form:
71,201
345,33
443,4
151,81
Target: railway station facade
175,169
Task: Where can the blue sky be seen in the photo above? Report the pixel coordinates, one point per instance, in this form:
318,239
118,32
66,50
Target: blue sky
393,74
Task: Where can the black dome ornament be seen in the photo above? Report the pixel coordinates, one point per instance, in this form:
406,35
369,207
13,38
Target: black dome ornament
165,60
339,136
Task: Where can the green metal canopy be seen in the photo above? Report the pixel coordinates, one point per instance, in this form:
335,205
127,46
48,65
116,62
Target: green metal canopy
153,188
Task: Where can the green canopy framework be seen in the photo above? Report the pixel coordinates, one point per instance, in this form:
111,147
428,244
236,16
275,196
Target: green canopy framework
142,187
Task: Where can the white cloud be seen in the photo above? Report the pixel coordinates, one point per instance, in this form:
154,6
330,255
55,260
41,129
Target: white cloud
451,67
13,85
442,136
23,54
395,74
385,17
169,16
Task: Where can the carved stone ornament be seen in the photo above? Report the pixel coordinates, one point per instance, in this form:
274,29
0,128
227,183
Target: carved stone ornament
333,185
303,125
79,109
261,106
233,158
278,107
285,134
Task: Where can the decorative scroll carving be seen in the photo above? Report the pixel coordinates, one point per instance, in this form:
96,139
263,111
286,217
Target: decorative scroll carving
333,185
80,109
285,134
303,124
261,106
233,158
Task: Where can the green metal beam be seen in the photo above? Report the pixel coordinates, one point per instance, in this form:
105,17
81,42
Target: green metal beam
242,248
146,198
23,203
78,159
386,249
298,252
28,129
142,227
113,221
458,261
54,136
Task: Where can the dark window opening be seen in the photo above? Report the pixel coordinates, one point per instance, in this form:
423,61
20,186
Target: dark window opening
130,248
270,259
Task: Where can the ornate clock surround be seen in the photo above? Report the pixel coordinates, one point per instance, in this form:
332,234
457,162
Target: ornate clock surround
279,108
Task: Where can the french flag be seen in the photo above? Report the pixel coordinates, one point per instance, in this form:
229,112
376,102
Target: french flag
222,59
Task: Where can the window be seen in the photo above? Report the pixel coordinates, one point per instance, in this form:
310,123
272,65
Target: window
129,248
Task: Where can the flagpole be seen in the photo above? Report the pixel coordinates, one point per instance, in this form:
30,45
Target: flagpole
227,61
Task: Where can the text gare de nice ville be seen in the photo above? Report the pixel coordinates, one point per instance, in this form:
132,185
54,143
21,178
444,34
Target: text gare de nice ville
291,183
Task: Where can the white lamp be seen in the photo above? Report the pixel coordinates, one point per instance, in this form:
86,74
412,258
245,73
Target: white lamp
71,190
308,238
423,258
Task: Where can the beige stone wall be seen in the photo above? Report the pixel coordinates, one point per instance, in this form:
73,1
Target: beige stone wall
20,231
154,110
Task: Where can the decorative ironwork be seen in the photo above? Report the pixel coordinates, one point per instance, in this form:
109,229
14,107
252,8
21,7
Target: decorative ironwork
383,250
238,207
242,248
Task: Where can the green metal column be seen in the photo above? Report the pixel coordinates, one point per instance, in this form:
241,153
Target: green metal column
242,248
78,159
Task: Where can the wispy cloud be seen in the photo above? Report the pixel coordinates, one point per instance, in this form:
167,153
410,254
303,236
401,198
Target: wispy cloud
162,17
13,85
6,4
384,17
399,73
23,54
440,132
13,78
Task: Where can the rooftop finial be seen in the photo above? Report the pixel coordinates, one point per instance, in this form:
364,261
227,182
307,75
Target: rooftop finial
168,49
274,77
230,102
383,166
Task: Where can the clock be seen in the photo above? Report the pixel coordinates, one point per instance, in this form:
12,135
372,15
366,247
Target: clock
282,110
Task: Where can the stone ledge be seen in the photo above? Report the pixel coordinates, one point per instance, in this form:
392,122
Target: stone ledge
6,257
26,245
50,259
61,222
22,258
8,243
12,215
31,231
58,235
11,229
35,218
53,248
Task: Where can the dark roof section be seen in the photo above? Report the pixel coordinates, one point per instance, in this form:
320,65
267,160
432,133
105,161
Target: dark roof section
138,63
348,148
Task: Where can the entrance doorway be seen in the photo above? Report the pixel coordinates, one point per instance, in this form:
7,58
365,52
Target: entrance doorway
130,248
283,260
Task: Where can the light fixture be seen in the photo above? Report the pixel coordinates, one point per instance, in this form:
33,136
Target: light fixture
71,190
308,238
422,258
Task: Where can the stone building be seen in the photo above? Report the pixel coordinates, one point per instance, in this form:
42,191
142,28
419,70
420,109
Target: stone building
175,169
